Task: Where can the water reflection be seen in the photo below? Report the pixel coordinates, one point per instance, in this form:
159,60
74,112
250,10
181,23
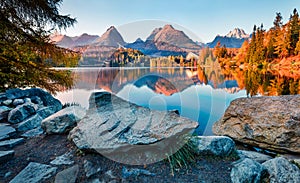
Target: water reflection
201,93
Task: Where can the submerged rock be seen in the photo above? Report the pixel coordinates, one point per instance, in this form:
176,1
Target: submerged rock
34,173
63,120
214,145
282,171
268,122
247,170
113,125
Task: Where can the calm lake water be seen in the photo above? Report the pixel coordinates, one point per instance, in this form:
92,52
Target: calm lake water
199,94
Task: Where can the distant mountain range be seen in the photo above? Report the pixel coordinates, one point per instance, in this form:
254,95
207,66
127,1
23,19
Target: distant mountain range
234,39
163,41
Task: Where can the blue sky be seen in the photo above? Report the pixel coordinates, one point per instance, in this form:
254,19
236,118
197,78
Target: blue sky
202,20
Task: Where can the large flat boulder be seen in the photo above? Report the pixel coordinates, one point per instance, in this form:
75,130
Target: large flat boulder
6,156
63,120
30,123
267,122
113,125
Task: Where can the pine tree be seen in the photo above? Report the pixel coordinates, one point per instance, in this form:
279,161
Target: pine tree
26,54
294,29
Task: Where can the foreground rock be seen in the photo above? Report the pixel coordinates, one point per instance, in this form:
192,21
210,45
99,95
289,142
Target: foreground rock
268,122
68,175
256,156
113,125
6,156
4,112
11,142
63,120
282,171
247,170
6,131
21,112
34,173
214,145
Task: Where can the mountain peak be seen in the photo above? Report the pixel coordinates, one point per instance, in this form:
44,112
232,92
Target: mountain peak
111,37
237,33
168,26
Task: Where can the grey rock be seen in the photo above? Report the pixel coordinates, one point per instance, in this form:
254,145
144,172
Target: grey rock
68,175
247,170
7,102
214,145
267,122
21,112
2,97
282,171
64,159
4,112
33,133
7,174
63,120
90,169
94,181
110,174
256,156
34,173
16,93
134,172
18,102
45,112
6,156
30,123
114,125
11,142
46,98
6,131
37,100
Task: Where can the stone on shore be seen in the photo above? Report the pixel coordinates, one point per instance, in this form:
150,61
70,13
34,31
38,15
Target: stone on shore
113,125
30,123
6,131
63,120
282,171
68,175
90,169
256,156
267,122
11,142
21,112
134,172
34,173
7,102
17,102
45,112
247,170
214,145
33,133
64,159
4,112
6,156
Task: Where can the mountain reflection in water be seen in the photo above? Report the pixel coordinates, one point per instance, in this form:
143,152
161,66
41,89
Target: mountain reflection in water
201,94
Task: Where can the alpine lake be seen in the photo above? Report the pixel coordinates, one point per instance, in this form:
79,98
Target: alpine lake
199,93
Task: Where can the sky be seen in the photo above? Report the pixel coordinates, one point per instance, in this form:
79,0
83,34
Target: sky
201,20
